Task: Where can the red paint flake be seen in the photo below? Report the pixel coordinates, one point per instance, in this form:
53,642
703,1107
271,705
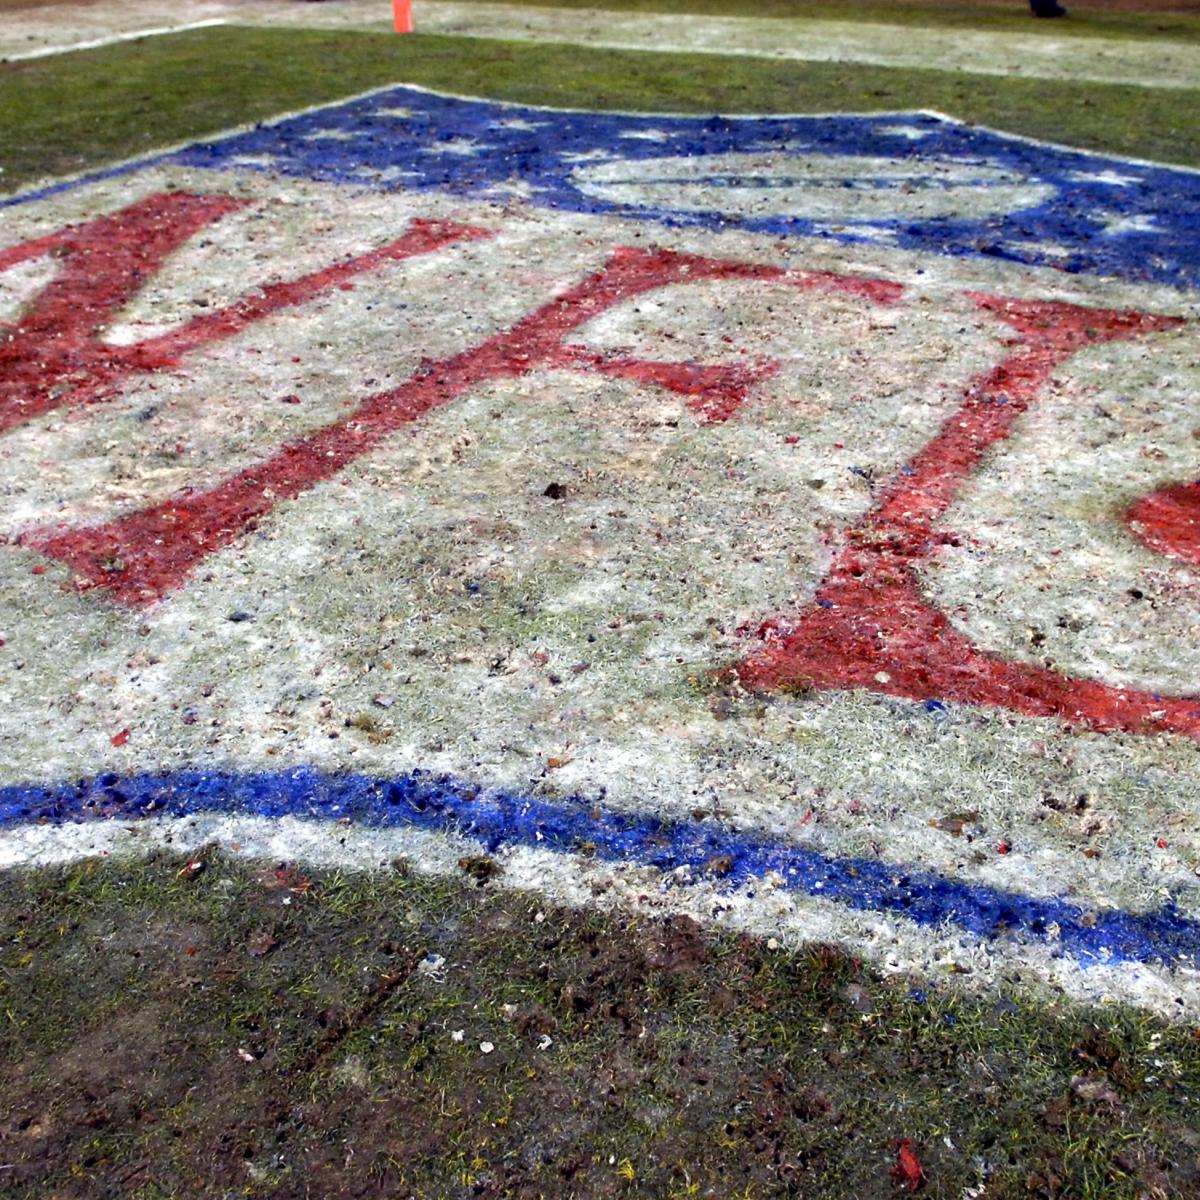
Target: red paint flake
791,439
870,624
1003,847
1162,843
38,571
119,739
907,1171
292,399
291,879
160,546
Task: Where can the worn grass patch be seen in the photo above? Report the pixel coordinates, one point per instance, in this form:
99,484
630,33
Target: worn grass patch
70,113
200,1030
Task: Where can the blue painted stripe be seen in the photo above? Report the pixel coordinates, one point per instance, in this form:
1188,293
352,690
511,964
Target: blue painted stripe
578,825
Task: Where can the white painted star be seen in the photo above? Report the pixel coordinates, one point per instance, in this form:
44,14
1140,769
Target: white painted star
646,135
1115,224
391,174
513,189
874,233
331,135
1043,250
1108,178
519,125
461,147
583,156
912,132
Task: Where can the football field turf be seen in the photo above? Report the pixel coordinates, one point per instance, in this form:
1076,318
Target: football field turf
558,643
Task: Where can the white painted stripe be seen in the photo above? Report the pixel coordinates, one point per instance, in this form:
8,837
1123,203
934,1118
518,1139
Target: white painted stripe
112,39
234,131
895,945
1032,141
276,119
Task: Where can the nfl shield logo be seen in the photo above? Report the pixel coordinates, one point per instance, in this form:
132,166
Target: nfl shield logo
787,519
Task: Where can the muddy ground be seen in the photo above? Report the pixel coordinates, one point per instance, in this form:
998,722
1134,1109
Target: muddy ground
207,1027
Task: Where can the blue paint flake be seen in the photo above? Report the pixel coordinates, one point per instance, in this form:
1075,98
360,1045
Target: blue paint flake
500,820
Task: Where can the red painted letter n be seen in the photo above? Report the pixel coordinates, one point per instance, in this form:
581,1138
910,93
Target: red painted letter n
55,355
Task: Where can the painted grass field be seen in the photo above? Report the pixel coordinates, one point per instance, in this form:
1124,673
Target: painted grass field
211,1011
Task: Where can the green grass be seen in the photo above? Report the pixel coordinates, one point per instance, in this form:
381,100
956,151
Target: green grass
997,16
70,113
244,1028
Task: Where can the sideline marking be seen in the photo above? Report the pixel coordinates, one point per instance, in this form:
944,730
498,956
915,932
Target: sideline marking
111,40
1131,62
1140,62
726,857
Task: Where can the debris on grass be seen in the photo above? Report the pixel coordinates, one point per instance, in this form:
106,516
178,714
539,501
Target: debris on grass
433,966
261,943
907,1171
1095,1089
480,867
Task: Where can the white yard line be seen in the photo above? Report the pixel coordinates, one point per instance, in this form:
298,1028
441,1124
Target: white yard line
1099,60
112,39
33,33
